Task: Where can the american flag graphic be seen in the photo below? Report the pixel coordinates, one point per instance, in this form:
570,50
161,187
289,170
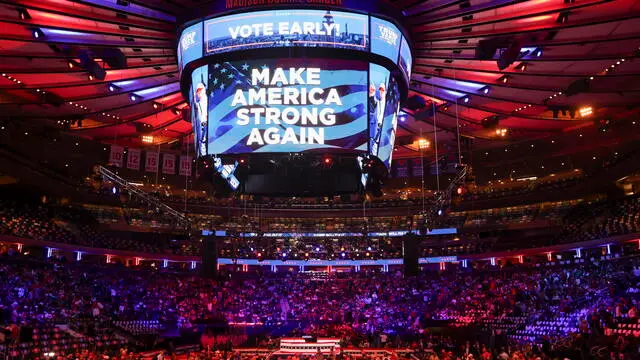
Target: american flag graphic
349,133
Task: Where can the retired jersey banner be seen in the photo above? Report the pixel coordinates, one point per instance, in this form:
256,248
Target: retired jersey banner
168,164
185,165
151,165
133,159
117,153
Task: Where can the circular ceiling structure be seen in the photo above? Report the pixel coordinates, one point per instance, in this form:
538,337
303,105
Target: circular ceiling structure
495,71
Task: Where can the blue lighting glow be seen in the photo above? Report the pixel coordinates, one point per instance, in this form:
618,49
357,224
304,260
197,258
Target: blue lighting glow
158,90
453,93
65,32
124,83
468,85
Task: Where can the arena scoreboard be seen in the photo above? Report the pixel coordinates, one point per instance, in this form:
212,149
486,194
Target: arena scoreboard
289,79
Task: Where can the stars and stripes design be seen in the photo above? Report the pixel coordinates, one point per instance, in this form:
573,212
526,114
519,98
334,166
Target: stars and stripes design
349,78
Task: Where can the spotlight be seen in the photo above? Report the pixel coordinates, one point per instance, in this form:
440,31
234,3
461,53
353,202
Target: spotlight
439,212
586,111
539,53
23,14
90,77
465,99
155,105
133,97
113,88
423,144
563,17
485,90
37,33
71,64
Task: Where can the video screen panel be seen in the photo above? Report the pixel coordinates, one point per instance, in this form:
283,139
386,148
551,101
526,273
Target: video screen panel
384,104
190,45
406,61
281,105
286,28
199,100
385,39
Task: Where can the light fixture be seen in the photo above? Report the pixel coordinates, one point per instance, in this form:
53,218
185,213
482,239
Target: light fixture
563,17
23,14
133,97
155,105
37,33
465,99
147,139
90,77
485,90
539,53
423,144
113,88
70,64
586,111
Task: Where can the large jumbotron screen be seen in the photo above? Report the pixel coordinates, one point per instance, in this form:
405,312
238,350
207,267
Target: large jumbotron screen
275,105
293,104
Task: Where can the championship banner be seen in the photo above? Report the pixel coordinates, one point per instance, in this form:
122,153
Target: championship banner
417,168
185,165
151,165
117,153
133,159
402,168
168,164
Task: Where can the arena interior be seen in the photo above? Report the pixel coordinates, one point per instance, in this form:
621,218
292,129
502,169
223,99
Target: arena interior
319,179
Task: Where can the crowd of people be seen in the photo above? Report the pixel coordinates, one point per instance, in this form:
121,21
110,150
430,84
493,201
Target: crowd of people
367,309
85,225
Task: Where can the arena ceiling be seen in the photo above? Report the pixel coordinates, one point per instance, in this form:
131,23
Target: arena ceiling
564,44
